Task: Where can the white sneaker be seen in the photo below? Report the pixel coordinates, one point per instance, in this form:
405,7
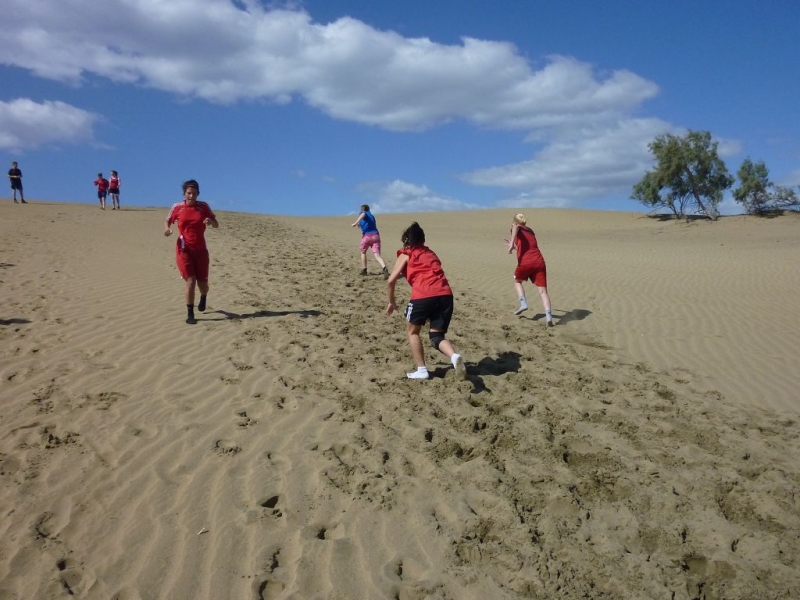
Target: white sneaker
459,366
522,308
418,374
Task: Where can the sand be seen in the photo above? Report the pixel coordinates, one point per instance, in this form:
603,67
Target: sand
645,447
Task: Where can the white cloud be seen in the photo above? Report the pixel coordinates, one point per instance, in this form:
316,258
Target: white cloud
590,162
225,52
228,51
792,179
401,196
25,124
727,148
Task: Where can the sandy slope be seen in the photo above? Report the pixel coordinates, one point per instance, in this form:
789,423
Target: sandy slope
644,448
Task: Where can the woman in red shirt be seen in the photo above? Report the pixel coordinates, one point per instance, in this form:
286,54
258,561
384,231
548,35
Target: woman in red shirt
431,300
102,189
113,190
530,265
191,252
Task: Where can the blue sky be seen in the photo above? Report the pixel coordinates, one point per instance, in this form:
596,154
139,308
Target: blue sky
312,108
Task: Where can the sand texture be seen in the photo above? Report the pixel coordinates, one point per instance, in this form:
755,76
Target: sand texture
647,446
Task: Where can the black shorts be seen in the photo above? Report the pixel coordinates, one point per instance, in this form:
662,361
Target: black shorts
101,195
113,191
16,185
438,310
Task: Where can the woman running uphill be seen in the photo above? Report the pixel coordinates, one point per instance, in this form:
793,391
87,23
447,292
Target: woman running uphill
530,265
191,253
431,300
370,238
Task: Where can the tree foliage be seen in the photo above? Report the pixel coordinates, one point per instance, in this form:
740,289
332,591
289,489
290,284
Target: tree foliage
689,177
758,194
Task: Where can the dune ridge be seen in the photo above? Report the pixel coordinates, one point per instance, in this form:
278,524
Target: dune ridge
275,449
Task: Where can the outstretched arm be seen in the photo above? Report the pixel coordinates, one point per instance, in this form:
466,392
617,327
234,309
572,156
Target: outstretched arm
513,238
358,220
397,271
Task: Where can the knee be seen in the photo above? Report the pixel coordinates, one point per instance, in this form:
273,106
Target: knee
437,337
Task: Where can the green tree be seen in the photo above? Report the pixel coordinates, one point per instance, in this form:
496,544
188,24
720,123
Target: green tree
758,194
689,177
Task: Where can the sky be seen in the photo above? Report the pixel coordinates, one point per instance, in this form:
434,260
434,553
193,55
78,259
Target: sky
318,106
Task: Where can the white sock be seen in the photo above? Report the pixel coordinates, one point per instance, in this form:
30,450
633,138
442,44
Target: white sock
420,373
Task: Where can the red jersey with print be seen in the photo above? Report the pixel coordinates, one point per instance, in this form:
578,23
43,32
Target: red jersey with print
424,273
102,184
527,249
114,183
190,223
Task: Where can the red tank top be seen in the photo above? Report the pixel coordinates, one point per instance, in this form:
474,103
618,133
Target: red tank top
527,248
424,273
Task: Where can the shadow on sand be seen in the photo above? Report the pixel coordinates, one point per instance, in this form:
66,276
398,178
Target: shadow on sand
577,314
226,315
14,321
506,362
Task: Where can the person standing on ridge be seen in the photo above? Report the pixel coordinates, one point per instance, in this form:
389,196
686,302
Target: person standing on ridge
102,189
15,177
113,190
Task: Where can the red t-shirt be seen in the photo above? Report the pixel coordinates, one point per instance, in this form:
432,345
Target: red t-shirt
424,273
102,184
527,249
190,223
114,183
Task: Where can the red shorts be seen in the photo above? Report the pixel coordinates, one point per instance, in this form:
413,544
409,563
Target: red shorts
192,263
537,273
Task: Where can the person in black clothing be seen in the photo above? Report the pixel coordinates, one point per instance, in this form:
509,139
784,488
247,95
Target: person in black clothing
15,176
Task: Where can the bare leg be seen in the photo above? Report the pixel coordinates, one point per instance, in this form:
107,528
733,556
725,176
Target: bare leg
545,298
412,331
548,315
520,290
523,302
446,347
363,260
380,260
189,292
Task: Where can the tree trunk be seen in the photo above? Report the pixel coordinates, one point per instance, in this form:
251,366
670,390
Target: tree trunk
697,199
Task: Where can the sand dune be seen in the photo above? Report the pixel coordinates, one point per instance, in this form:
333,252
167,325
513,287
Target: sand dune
646,447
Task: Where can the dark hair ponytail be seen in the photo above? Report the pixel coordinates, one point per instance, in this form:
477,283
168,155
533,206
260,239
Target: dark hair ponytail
413,236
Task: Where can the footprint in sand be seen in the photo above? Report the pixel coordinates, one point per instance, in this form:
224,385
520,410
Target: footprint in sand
8,465
72,580
268,589
282,464
226,448
270,504
243,420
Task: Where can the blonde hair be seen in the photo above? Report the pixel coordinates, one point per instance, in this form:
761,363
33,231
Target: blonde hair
520,219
